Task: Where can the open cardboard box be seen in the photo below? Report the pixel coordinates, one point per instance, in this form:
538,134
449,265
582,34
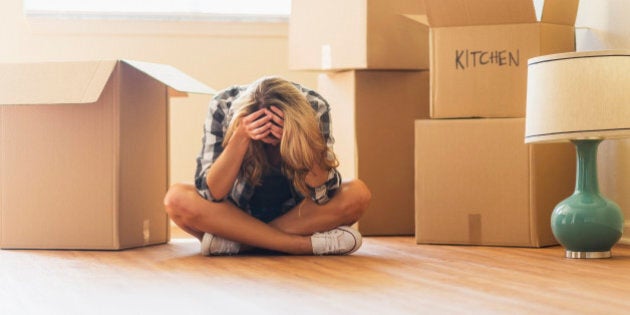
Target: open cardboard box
479,51
84,153
356,34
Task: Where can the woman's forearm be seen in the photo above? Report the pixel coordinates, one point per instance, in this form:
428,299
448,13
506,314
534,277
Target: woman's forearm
222,174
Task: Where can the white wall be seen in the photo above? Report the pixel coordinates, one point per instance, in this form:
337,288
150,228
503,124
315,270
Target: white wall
605,24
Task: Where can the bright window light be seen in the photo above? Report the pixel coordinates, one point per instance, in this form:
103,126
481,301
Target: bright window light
162,9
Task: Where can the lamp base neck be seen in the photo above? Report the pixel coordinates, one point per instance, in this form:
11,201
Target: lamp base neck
587,255
586,175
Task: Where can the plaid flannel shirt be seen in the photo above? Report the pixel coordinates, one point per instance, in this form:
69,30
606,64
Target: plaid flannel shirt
219,115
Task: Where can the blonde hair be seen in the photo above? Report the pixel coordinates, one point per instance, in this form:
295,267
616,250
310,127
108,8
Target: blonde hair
302,145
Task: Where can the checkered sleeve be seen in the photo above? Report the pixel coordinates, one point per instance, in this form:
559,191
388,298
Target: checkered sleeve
214,132
323,193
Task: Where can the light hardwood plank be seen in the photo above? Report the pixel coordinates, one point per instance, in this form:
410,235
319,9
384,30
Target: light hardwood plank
388,275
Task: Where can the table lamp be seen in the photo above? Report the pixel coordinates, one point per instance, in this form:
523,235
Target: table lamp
582,97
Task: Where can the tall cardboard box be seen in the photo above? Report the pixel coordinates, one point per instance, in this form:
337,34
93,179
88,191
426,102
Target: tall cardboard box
479,51
478,183
613,167
84,153
373,114
356,34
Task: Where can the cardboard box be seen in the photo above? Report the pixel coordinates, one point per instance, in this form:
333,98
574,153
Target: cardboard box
478,183
479,51
373,114
613,166
84,153
356,34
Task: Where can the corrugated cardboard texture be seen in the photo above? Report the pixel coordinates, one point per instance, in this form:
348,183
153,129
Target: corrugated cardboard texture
560,11
480,71
552,177
393,41
143,157
613,167
58,175
385,105
90,175
313,43
356,34
479,12
171,77
339,89
477,183
479,51
555,38
49,83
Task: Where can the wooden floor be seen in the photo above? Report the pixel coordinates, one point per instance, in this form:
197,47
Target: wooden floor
390,275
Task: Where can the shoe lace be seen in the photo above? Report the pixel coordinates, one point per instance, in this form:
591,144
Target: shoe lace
331,242
223,246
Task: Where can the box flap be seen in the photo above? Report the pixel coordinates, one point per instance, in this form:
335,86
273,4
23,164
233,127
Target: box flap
479,12
53,82
420,18
171,76
560,11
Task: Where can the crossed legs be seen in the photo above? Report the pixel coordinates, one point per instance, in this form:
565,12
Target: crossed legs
289,233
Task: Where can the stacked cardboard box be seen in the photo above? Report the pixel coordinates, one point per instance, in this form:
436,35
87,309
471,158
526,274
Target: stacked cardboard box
476,181
84,153
373,57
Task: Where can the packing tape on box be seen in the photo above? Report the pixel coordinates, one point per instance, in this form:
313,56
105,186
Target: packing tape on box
326,57
474,229
146,232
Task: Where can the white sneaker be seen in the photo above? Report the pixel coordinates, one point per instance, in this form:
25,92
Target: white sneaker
343,240
214,246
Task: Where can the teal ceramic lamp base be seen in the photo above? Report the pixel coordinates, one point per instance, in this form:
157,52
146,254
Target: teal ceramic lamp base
586,223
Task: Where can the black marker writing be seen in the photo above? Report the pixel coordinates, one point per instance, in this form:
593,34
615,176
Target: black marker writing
465,59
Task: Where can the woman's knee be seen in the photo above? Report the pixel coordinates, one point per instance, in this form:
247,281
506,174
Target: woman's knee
357,199
173,197
177,202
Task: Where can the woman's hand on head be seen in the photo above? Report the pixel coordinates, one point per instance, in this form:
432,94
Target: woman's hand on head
276,117
257,125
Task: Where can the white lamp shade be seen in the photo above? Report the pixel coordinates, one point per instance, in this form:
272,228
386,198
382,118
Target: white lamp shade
578,95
